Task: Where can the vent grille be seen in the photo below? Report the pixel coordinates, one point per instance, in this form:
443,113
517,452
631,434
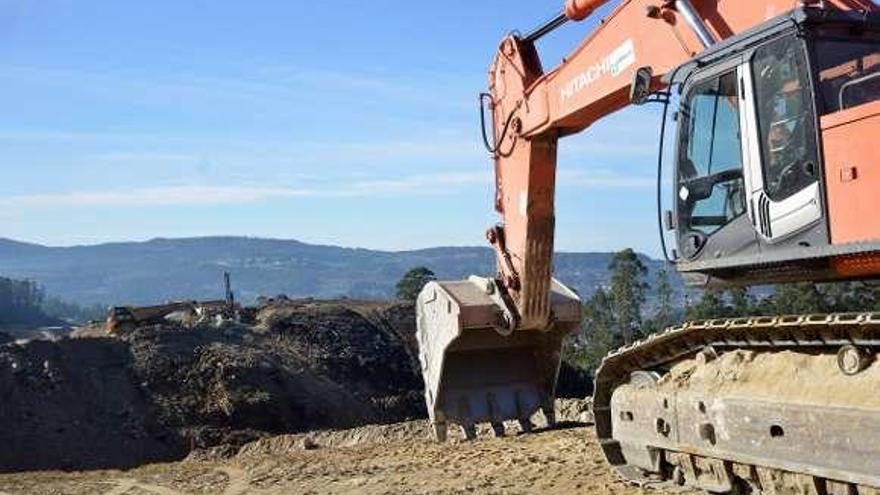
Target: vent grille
764,216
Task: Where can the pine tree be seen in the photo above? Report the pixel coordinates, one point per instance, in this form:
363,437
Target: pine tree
628,291
741,301
663,314
710,306
413,281
20,301
597,336
865,296
800,298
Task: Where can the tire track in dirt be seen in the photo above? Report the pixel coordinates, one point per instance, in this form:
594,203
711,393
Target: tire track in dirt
124,485
239,481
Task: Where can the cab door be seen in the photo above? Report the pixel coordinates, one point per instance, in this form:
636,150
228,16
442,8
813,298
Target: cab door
711,195
785,196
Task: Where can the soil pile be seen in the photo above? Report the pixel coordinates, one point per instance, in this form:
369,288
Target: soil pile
796,377
370,348
76,404
162,391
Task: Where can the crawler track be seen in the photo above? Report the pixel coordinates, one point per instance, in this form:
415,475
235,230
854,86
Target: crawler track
729,442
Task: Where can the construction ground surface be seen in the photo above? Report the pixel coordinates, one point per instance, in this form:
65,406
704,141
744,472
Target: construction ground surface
303,397
398,458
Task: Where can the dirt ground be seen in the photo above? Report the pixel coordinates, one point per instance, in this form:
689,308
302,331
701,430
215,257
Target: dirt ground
390,459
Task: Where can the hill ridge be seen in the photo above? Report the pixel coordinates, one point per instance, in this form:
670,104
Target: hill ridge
144,272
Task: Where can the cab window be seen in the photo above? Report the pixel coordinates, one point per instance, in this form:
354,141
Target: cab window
710,184
786,122
848,65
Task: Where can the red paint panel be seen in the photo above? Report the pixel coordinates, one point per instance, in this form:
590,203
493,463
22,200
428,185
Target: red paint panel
852,173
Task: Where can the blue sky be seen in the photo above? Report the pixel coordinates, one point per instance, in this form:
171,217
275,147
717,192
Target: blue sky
348,123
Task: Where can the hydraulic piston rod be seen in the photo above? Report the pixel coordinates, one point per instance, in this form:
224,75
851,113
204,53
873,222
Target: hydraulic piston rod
546,28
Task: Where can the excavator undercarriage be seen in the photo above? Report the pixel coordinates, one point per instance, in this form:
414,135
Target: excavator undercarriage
747,405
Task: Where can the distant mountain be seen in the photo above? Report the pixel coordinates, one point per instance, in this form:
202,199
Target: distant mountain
166,269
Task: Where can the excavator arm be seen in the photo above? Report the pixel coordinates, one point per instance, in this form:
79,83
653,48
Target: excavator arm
532,109
490,349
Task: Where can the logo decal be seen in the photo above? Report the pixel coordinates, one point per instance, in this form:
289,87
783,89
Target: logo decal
615,63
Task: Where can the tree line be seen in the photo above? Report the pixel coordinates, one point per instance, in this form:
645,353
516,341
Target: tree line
615,315
20,301
24,302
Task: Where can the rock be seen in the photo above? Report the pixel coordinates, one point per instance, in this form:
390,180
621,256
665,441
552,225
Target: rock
575,410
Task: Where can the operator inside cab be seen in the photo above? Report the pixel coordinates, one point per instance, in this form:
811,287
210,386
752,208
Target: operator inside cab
788,117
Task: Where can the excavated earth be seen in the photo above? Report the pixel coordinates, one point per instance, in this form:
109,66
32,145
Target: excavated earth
159,394
794,377
92,402
307,397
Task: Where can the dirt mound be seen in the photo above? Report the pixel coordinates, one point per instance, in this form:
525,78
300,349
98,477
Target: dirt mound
162,391
369,347
326,368
76,404
796,377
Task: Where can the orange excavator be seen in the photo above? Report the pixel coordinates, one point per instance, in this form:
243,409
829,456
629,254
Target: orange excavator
776,178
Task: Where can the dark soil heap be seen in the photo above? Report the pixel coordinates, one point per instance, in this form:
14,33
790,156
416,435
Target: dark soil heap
76,404
161,391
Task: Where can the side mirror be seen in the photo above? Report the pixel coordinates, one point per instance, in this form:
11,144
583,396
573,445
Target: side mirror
640,89
700,188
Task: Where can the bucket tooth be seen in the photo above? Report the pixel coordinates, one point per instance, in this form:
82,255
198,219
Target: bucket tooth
469,430
520,404
496,422
492,404
525,423
440,431
549,411
477,371
464,408
551,418
497,429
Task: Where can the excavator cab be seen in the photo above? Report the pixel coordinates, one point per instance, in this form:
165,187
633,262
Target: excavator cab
759,176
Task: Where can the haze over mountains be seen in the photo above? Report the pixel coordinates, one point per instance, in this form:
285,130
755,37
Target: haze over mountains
191,268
